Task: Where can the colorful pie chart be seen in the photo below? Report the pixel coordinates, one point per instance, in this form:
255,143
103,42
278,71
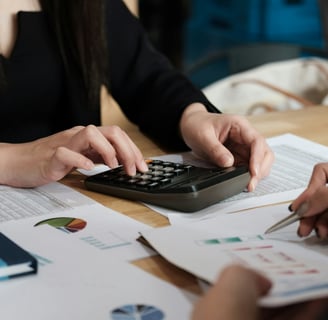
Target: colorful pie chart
137,312
66,224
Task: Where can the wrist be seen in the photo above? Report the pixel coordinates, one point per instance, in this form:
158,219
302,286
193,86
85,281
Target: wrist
6,159
194,107
15,164
190,110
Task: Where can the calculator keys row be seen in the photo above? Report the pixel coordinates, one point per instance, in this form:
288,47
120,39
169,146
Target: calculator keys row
159,173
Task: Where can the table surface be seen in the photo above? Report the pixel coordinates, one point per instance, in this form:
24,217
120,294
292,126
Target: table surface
310,123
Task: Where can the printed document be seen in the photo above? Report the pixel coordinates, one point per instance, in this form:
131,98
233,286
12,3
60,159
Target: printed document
76,282
73,215
297,267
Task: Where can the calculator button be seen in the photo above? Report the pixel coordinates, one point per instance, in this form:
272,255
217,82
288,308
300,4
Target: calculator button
157,167
153,185
168,175
157,173
132,181
145,176
165,181
143,183
122,179
179,171
156,178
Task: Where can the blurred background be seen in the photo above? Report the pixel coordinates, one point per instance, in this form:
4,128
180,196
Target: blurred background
210,39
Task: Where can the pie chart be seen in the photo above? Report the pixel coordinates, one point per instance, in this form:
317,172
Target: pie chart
66,224
137,312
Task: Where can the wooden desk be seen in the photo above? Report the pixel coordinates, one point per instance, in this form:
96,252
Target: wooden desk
310,123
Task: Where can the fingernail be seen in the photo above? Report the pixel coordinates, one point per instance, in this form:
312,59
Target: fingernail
316,230
144,166
131,171
252,185
227,160
290,208
89,166
302,209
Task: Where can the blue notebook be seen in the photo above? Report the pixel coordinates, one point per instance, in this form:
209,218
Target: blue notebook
14,260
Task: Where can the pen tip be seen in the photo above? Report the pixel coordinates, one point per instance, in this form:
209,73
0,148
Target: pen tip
268,231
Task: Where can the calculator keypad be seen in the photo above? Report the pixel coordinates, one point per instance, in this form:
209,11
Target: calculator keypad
159,174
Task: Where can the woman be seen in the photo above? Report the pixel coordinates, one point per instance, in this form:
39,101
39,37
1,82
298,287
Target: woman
55,55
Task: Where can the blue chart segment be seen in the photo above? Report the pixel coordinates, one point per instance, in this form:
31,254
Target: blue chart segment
137,312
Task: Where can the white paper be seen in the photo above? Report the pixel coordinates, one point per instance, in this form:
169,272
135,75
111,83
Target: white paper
83,257
18,203
290,174
105,229
76,282
95,226
298,267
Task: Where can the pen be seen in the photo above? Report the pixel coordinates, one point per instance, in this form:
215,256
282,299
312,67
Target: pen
284,222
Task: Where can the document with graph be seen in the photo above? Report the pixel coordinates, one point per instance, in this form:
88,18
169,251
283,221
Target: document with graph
75,281
73,215
297,267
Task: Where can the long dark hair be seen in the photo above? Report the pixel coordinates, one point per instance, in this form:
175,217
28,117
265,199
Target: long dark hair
79,27
3,82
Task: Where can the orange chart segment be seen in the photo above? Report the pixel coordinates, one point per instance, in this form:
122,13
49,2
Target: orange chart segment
76,225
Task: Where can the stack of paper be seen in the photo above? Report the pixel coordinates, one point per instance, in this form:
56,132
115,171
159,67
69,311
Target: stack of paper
297,267
83,251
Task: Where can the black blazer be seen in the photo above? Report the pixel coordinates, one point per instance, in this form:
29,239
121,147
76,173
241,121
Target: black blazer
149,90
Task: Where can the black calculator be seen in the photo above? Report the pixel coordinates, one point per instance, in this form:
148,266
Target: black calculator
177,186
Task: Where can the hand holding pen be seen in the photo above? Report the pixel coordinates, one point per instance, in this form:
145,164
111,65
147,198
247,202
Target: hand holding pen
293,217
310,207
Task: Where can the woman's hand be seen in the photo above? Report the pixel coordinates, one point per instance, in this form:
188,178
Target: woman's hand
234,296
51,158
312,204
226,140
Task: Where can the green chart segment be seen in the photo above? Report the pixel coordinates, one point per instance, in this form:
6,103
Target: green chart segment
137,312
66,224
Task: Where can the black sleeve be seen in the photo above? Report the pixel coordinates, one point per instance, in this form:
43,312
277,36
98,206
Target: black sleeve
151,93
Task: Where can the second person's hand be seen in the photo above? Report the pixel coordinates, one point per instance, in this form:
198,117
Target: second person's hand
312,204
234,296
